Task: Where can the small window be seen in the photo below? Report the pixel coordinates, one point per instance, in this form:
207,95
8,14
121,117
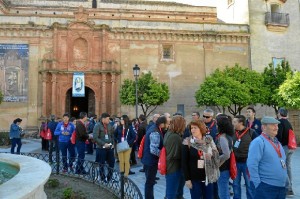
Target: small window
167,52
275,8
277,61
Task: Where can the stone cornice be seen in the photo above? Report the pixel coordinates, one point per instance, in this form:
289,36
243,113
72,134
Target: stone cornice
92,72
199,15
25,30
189,36
131,34
146,2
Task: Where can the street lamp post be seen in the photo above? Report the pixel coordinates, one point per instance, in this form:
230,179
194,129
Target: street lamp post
136,73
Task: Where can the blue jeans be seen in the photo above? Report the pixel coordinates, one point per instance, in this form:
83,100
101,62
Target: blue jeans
266,191
14,142
80,145
105,156
223,185
173,185
288,154
150,173
242,169
66,147
201,191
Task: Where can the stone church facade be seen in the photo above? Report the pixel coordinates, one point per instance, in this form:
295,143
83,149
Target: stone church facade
45,42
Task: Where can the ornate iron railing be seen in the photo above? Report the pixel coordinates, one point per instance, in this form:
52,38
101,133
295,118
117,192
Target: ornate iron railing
274,18
117,184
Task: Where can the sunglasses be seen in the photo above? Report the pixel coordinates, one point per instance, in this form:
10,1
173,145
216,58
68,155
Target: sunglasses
206,116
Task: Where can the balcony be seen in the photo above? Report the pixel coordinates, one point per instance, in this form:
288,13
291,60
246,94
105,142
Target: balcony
277,22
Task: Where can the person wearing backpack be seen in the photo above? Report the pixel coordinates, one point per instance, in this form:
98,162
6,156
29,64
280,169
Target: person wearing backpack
224,146
266,163
152,147
173,144
283,137
241,141
200,161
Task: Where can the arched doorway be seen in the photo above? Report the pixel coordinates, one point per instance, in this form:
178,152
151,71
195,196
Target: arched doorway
75,105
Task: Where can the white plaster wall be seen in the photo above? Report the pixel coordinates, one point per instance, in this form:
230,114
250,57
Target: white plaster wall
236,13
266,44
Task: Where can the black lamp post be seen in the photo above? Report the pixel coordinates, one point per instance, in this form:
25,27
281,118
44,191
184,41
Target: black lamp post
136,73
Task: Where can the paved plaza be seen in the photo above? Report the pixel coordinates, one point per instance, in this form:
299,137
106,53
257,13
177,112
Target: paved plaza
34,145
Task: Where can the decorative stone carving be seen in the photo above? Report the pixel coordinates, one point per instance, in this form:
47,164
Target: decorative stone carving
81,15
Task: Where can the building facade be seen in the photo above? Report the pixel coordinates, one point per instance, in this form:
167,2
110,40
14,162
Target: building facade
43,43
274,27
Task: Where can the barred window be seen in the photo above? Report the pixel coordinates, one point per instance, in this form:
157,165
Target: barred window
167,52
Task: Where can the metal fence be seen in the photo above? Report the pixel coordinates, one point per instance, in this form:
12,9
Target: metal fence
102,175
273,18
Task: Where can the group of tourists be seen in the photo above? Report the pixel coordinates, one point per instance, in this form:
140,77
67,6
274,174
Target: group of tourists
198,153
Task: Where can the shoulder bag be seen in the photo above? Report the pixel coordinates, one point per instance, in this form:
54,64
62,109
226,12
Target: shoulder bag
123,146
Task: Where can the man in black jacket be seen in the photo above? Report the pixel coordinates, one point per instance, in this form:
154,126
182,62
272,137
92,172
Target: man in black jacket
241,141
283,138
81,137
103,135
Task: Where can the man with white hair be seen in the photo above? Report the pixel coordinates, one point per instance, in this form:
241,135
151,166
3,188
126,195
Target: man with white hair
154,118
210,123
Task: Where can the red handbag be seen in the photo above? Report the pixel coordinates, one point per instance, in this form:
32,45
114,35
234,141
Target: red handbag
73,137
292,144
48,135
42,134
141,148
162,162
232,168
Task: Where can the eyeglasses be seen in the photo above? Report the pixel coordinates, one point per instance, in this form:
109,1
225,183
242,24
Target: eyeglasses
194,115
206,116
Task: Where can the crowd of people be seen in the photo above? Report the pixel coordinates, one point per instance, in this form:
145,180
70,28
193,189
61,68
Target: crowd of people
198,153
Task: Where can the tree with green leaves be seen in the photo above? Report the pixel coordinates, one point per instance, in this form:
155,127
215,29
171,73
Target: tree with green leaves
273,78
289,90
233,88
254,87
221,91
151,93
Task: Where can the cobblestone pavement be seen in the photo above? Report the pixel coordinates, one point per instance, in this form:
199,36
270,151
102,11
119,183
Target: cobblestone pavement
34,145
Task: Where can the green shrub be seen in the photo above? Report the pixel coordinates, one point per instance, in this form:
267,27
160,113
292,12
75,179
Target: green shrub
68,193
53,183
4,138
